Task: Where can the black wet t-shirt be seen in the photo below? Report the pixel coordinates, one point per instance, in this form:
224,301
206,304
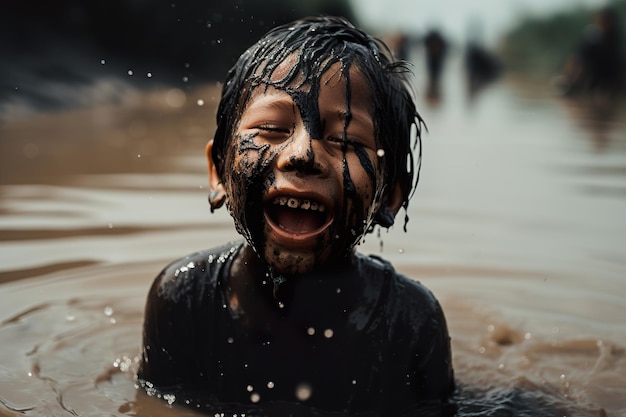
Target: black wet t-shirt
359,338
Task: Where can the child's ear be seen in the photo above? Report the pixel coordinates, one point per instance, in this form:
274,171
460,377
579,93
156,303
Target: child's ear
217,191
389,207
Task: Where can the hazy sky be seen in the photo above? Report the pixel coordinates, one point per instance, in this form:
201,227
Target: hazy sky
455,17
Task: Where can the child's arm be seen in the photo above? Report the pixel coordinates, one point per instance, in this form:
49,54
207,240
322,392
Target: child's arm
423,376
435,358
167,333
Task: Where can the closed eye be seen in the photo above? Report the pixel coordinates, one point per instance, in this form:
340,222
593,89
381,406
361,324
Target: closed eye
273,131
269,127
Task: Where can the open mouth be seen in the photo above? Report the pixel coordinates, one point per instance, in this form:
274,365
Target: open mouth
298,216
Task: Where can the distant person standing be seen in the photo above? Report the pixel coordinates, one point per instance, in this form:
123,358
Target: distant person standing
482,66
436,48
597,67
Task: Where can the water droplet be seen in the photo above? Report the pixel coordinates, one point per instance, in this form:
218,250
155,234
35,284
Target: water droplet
102,61
380,153
108,311
281,305
230,340
310,331
328,333
138,155
303,392
185,79
130,72
110,225
338,290
354,382
400,250
149,75
70,317
501,366
250,388
124,363
270,385
200,102
255,397
527,336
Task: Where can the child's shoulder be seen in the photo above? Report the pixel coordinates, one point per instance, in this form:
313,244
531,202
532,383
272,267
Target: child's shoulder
408,294
375,266
194,273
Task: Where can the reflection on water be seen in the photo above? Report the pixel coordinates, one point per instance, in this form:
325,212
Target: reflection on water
517,226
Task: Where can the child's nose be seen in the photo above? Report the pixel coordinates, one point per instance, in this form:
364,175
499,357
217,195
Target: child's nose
301,155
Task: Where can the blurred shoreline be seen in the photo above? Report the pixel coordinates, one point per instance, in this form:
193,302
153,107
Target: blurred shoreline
136,133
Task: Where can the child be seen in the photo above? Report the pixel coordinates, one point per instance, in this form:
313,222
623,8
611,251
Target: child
314,147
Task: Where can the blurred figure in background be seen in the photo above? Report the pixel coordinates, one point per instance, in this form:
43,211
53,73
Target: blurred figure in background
436,48
482,67
593,78
596,68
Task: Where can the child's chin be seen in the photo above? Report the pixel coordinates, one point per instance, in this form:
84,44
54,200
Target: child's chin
286,263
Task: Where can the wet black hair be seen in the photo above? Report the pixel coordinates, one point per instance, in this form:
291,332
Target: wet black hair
318,43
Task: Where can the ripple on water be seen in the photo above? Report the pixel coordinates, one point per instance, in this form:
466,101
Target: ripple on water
77,355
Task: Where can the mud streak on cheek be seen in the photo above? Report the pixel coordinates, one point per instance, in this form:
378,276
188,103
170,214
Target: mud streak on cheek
350,217
375,174
250,179
366,162
356,219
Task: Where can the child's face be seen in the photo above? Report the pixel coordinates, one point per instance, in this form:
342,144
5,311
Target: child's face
303,177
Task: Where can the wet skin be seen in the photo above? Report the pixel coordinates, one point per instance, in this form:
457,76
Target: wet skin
305,178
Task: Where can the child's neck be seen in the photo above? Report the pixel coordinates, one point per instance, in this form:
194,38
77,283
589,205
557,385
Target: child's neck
255,290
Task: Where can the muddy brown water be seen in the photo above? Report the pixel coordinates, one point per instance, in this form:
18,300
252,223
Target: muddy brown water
518,226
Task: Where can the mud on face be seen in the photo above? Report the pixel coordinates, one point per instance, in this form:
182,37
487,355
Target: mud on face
292,67
305,178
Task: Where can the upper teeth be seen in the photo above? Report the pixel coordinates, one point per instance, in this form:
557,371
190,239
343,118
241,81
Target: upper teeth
293,202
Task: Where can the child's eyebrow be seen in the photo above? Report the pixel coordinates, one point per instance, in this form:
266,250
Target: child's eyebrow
273,100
